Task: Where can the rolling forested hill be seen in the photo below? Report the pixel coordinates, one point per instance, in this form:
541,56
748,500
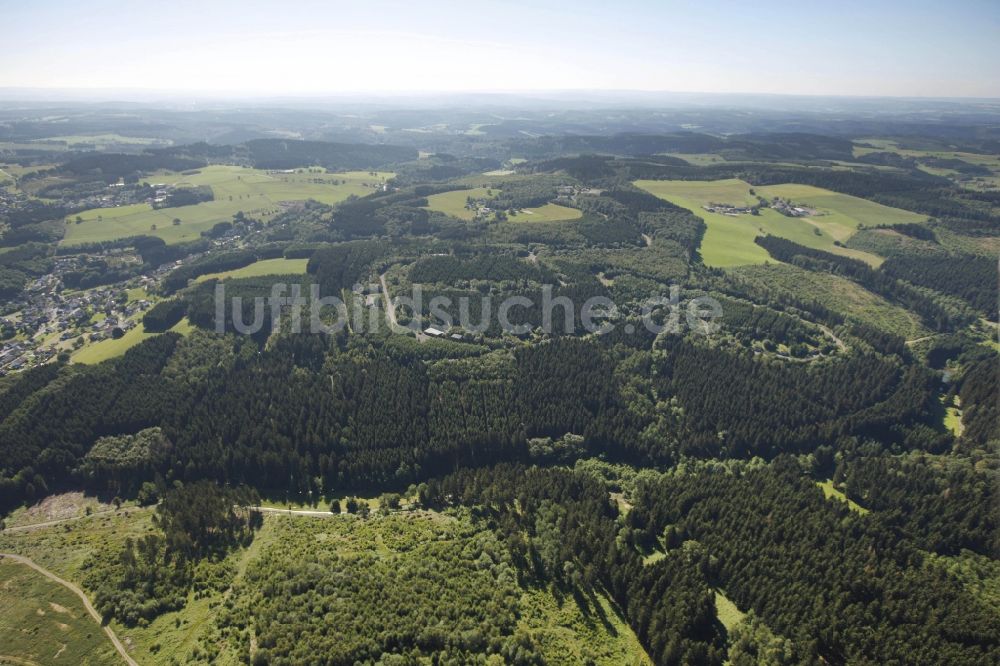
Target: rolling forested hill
512,432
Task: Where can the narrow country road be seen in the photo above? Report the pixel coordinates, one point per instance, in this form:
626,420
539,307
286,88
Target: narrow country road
20,559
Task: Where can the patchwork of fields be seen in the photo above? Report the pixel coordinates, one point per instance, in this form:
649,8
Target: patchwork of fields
729,239
979,181
255,192
453,203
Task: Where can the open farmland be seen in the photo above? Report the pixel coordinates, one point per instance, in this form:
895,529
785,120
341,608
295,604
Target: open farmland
110,348
453,203
256,192
866,146
926,161
729,238
104,141
259,268
841,213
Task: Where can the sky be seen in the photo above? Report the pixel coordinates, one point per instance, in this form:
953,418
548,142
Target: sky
913,48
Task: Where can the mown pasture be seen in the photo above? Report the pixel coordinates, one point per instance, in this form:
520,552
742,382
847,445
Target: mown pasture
729,239
255,192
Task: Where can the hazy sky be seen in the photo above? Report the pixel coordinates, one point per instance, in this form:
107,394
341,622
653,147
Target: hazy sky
853,47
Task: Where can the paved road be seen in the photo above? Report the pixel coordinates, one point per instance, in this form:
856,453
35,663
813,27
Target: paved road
20,559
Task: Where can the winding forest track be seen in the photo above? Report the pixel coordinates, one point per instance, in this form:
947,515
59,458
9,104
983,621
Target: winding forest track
20,559
294,512
922,339
7,659
833,336
59,521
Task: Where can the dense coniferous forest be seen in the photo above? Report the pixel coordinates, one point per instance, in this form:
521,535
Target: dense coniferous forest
968,277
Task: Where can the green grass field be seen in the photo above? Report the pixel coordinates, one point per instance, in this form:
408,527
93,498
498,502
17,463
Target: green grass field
26,145
105,140
64,548
830,492
727,612
699,159
952,417
259,268
102,350
16,170
550,212
729,239
41,622
842,213
255,192
887,145
453,203
992,162
109,347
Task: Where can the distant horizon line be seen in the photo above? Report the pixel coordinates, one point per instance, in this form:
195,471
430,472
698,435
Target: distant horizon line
95,93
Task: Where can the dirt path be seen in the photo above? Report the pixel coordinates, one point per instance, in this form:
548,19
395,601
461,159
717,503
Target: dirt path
390,311
293,512
833,336
20,559
648,239
926,337
50,523
7,659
